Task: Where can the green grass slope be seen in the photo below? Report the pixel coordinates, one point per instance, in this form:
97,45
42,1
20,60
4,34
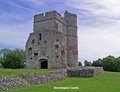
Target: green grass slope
18,71
106,82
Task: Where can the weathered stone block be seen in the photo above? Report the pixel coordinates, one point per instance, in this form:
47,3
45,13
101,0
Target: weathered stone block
84,71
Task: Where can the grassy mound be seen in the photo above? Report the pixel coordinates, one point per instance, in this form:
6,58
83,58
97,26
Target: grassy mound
106,82
18,71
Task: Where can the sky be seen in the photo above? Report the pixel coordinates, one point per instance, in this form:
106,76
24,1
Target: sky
98,24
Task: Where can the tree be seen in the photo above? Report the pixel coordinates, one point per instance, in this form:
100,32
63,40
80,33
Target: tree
109,63
97,63
117,64
3,52
79,64
1,60
87,63
13,59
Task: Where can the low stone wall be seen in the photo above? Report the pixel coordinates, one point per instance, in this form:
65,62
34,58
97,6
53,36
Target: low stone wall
37,78
98,70
84,71
26,79
7,82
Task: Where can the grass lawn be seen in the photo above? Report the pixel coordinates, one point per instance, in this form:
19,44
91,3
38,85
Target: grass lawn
106,82
18,71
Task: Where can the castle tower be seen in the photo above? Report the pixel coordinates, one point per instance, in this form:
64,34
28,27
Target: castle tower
53,43
72,41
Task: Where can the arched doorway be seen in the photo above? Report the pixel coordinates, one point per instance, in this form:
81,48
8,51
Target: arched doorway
43,63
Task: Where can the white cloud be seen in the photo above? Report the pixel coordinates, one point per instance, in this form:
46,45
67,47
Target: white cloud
94,41
15,36
16,33
35,2
102,8
17,5
98,42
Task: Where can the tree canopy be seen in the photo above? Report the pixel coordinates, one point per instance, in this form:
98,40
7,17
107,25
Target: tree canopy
12,58
109,63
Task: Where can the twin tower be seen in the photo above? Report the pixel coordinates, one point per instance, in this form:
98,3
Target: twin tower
53,43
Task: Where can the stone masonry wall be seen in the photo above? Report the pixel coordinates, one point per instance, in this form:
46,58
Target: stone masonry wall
7,82
84,71
27,79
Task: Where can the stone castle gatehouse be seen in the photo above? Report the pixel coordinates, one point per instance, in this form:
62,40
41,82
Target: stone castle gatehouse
53,43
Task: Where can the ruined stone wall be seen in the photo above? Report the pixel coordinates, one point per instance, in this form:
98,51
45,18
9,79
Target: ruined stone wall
84,71
46,49
27,79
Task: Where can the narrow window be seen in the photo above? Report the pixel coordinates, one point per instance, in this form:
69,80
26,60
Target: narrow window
57,56
30,51
35,54
33,41
57,40
62,51
56,48
40,36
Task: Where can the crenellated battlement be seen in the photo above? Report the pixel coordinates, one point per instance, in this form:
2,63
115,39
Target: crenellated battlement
48,16
69,14
54,15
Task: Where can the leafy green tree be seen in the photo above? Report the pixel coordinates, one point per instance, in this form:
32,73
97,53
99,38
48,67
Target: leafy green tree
4,51
109,63
97,63
1,60
13,58
87,63
117,64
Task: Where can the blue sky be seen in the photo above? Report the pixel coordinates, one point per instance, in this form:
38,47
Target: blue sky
98,24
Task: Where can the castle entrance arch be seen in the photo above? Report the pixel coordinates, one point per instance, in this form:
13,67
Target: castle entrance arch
43,63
